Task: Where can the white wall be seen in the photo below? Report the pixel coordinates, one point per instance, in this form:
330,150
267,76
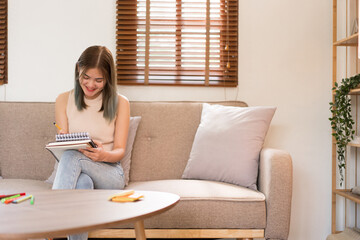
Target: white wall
284,60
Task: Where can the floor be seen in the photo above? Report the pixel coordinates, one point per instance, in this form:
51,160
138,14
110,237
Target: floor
160,239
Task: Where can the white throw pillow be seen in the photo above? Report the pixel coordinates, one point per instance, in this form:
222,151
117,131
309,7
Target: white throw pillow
227,144
125,161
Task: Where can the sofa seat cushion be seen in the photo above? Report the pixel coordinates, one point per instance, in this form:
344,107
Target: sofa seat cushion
9,186
200,190
206,204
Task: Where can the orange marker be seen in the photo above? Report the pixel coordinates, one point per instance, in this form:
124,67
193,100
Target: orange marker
12,199
131,198
122,194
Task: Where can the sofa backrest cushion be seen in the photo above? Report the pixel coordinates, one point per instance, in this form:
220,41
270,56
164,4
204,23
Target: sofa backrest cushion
25,128
161,149
164,138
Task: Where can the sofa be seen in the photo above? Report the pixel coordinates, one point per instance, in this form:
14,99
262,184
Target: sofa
163,141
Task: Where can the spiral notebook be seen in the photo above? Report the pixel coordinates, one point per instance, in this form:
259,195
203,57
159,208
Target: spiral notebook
69,141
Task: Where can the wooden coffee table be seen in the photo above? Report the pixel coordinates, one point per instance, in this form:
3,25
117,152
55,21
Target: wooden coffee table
57,213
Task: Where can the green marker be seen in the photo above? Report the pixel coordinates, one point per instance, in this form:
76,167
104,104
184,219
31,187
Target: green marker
15,196
32,200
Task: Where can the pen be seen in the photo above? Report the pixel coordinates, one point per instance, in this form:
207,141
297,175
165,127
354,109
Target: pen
57,126
10,195
32,200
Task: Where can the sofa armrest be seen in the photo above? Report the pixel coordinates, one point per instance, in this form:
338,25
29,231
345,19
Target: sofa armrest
275,181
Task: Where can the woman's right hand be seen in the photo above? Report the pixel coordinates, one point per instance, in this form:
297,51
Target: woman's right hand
60,113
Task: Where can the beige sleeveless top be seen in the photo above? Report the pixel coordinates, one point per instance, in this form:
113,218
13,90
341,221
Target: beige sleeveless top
91,120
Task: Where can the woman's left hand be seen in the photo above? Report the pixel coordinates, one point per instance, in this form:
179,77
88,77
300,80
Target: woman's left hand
96,154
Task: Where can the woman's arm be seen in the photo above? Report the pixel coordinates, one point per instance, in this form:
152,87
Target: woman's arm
120,136
60,112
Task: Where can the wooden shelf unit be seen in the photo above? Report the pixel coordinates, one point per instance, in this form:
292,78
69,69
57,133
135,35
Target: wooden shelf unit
355,91
354,144
350,42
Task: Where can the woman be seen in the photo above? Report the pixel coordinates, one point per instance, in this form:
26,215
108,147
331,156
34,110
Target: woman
93,106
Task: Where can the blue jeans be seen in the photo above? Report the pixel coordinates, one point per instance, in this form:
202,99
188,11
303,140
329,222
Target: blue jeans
76,171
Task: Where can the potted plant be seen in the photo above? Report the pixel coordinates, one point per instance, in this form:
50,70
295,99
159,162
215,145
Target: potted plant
341,120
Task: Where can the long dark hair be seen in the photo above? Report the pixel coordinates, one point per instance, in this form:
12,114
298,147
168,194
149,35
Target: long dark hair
101,58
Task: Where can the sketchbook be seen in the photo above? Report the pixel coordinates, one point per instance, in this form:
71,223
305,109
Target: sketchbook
69,141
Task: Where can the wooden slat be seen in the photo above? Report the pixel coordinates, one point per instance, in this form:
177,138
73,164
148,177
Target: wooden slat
346,193
172,56
158,80
127,67
142,3
214,56
122,45
175,73
181,83
172,15
355,91
174,33
133,21
167,50
126,8
134,29
354,144
185,76
194,80
348,41
171,39
170,73
170,62
132,60
199,72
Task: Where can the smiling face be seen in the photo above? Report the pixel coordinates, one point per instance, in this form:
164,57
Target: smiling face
92,82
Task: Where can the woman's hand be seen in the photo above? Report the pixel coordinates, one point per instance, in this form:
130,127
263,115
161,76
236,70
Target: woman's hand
96,154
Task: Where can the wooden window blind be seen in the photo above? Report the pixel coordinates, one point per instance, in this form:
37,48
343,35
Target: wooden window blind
177,42
3,41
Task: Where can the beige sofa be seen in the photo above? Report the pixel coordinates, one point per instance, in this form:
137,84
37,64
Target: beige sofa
207,209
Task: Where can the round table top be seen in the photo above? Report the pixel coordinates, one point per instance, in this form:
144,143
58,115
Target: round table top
57,213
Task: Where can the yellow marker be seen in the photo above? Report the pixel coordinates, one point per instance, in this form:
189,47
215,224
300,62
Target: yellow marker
22,199
57,126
